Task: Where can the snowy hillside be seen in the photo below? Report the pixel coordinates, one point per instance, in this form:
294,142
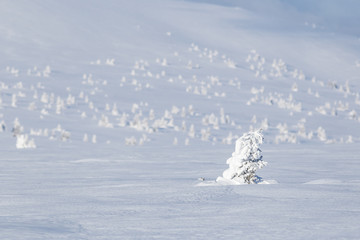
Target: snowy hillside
111,113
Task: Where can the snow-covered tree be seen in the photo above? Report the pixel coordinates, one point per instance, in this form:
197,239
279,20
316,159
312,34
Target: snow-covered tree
85,138
93,139
60,105
321,133
192,131
17,128
114,111
13,101
245,160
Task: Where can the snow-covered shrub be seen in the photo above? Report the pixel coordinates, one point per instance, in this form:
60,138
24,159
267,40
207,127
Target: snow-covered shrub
60,105
284,134
114,111
230,63
93,139
160,123
47,71
265,124
278,68
110,61
140,124
85,138
211,120
131,141
294,87
123,120
44,98
321,133
245,160
151,114
205,134
353,115
228,140
64,135
34,132
17,128
191,110
32,106
143,139
23,141
59,134
13,101
192,131
175,110
104,122
70,100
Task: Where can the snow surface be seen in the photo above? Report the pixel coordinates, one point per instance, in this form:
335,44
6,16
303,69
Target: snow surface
113,113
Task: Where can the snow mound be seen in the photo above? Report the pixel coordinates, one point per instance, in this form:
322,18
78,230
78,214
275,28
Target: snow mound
225,182
325,181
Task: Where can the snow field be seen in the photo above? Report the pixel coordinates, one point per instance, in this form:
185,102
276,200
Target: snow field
113,114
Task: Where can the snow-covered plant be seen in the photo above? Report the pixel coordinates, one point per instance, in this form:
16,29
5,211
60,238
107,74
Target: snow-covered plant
17,128
183,112
32,106
123,120
13,100
192,131
228,140
110,61
265,124
350,139
294,87
114,111
47,71
321,133
230,63
131,141
151,114
143,139
64,135
93,139
85,138
22,141
107,107
70,100
60,105
175,110
191,110
211,120
205,134
44,98
245,160
104,122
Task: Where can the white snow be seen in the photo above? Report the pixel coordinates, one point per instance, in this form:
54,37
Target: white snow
134,104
